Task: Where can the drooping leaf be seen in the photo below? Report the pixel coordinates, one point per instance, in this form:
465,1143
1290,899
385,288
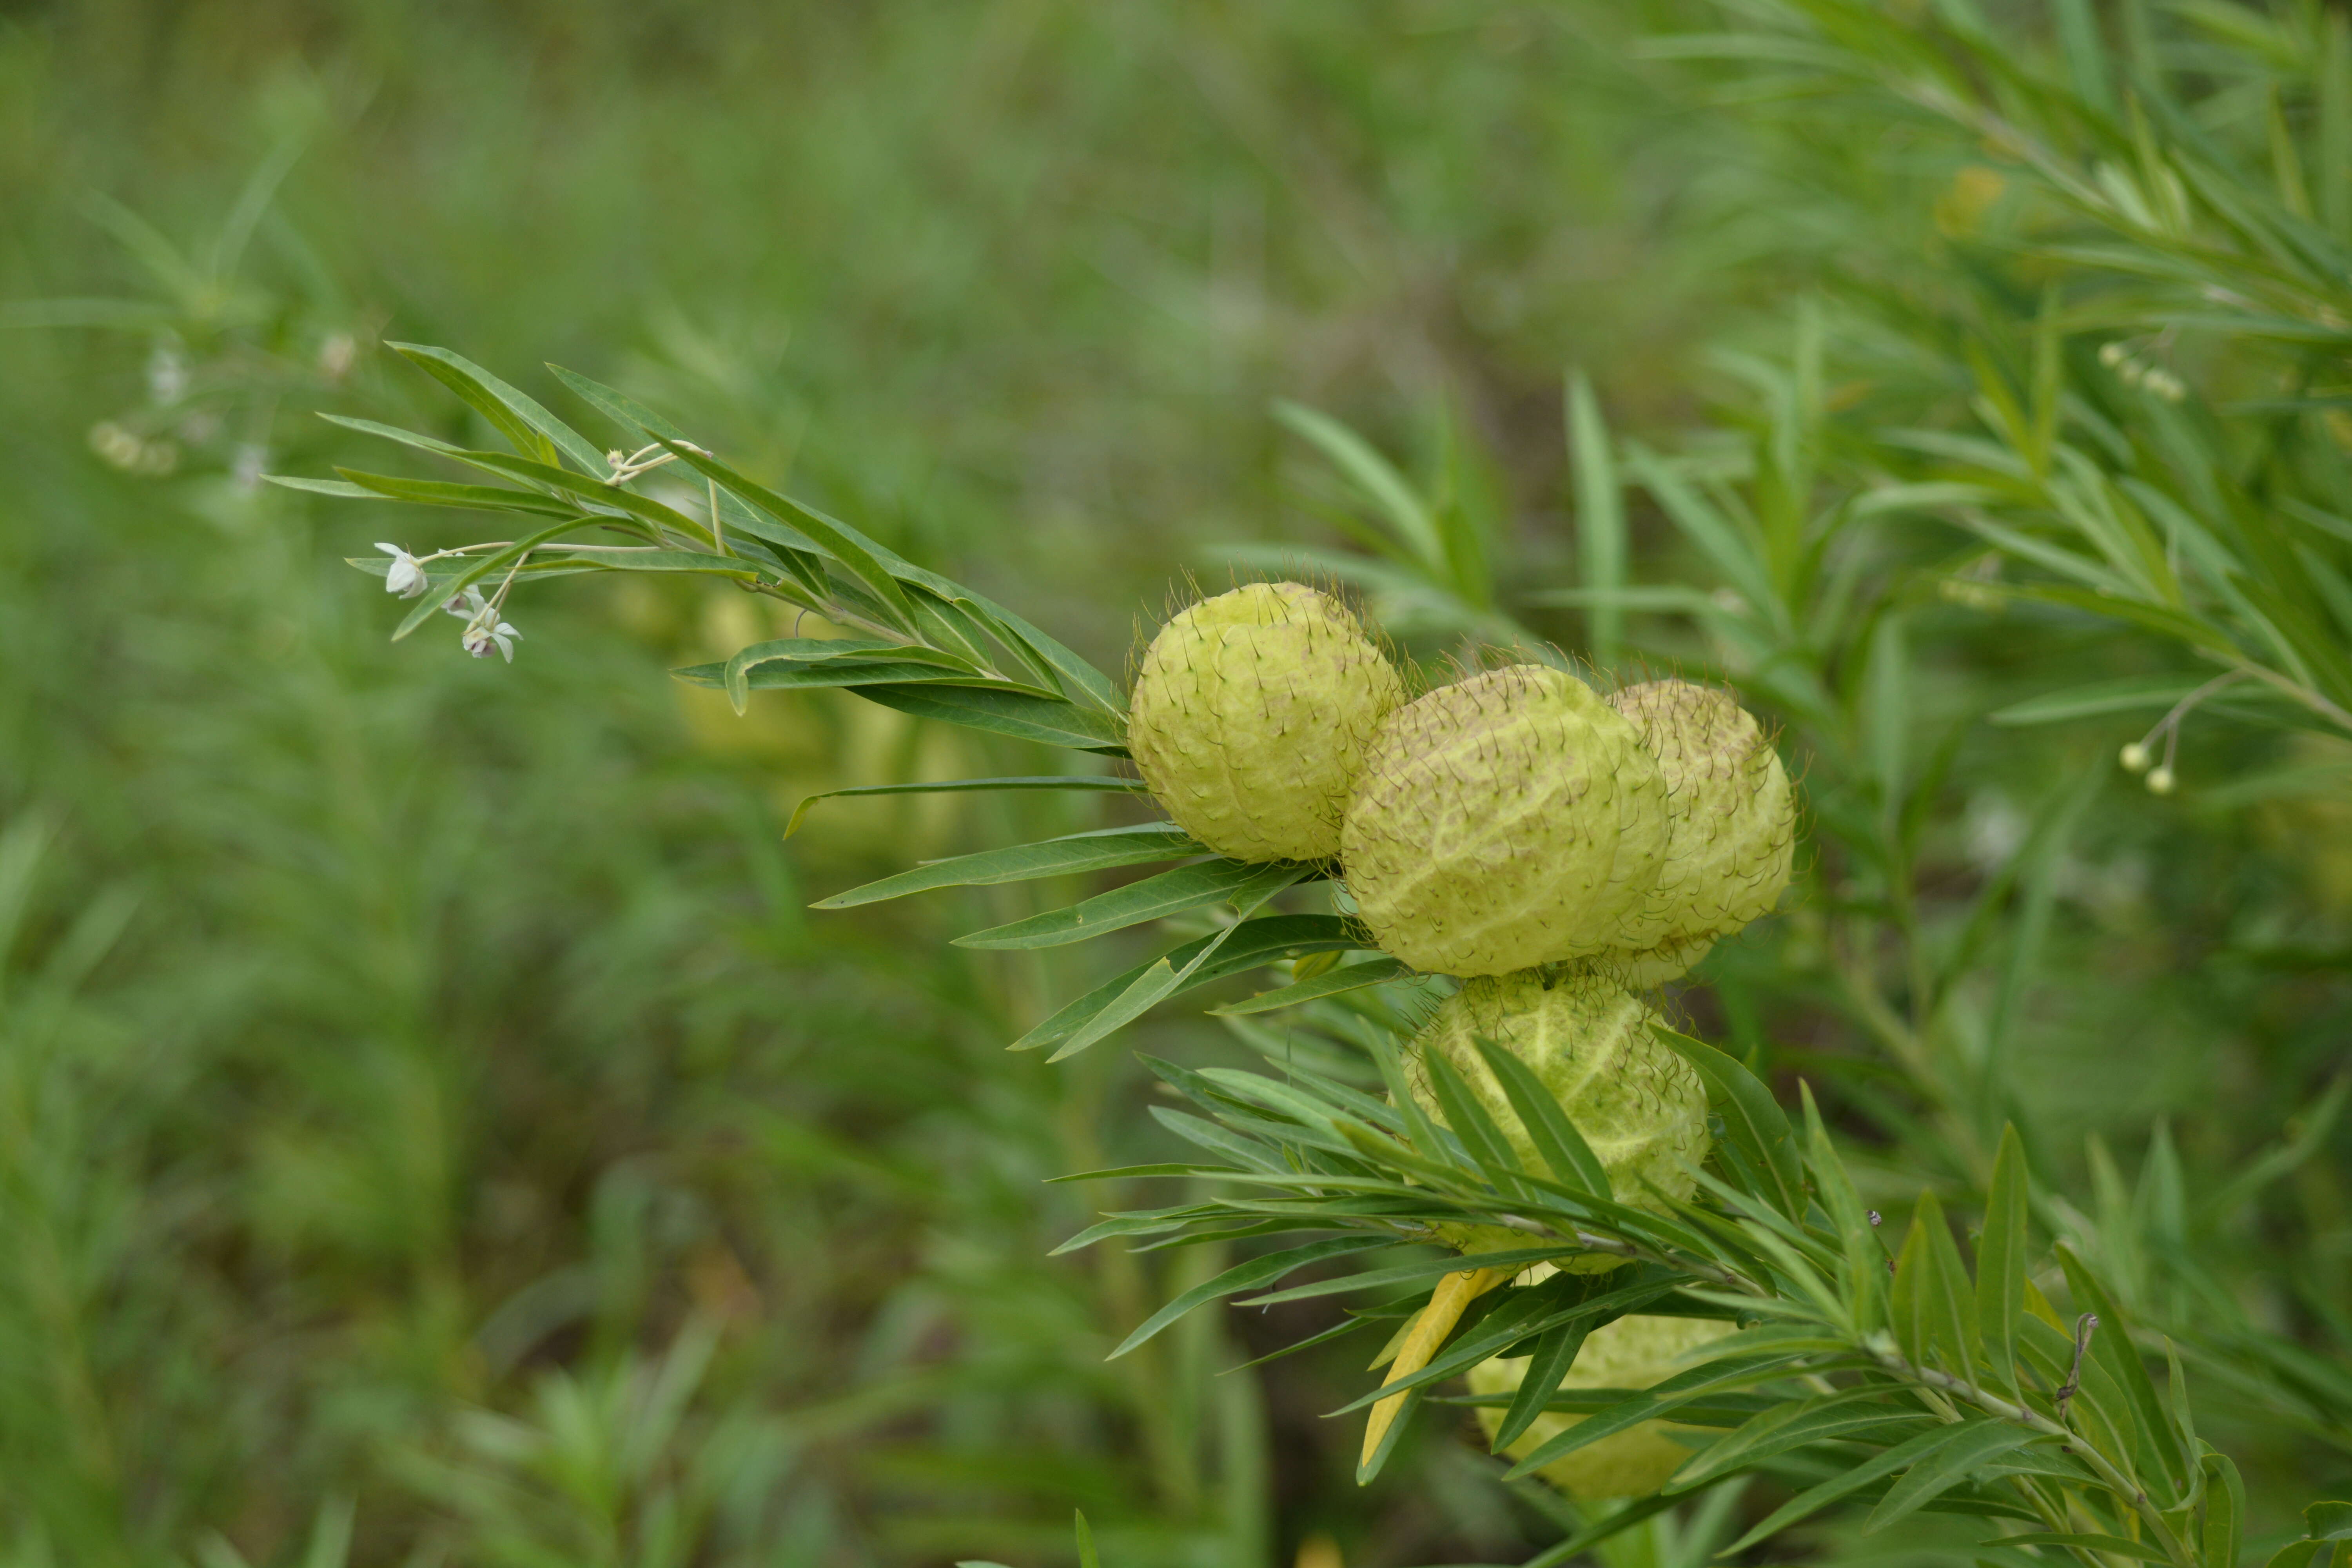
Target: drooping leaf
1562,1147
1068,856
1049,722
1247,946
1154,898
1752,1120
1247,1276
1084,783
1935,1474
1815,1499
1553,1354
1330,983
1859,1415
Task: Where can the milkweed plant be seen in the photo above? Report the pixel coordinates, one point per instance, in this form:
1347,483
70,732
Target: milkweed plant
1461,875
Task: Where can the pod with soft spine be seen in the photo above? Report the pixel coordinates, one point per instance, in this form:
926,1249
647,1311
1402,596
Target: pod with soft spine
1250,717
1509,820
1638,1106
1631,1352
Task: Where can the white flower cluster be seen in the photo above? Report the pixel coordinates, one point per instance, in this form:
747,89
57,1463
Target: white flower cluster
486,629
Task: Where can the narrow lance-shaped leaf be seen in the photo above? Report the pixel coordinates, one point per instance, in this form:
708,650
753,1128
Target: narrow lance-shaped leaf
1054,722
1068,856
2001,1260
1935,1474
1315,988
1752,1120
1562,1147
1247,1276
1553,1354
1084,783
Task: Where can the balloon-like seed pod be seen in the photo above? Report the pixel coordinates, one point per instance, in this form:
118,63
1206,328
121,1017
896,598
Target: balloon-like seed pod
1631,1352
1250,717
1509,820
1639,1105
1731,828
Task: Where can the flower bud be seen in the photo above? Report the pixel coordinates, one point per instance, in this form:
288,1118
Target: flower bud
1630,1352
1250,717
1731,828
1506,821
2134,758
2159,781
1639,1107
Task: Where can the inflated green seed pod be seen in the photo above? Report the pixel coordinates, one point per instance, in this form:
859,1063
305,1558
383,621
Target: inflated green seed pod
1631,1352
1639,1105
1250,717
1509,820
1731,828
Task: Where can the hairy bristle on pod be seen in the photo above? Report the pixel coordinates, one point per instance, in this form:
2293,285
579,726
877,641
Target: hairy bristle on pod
1506,821
1250,717
1731,828
1631,1353
1640,1107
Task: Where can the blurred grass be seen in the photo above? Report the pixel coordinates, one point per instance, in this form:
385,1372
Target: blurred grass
425,1103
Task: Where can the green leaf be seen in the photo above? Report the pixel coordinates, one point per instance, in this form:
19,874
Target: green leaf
436,493
1330,983
1162,979
1932,1322
476,569
2112,1348
1828,1418
617,406
2221,1528
843,543
1375,477
1248,945
2117,1545
1087,1557
1658,1400
1247,1276
1068,856
1938,1473
395,432
522,419
1091,783
1470,1121
2138,693
1052,722
2001,1258
1514,1259
1752,1120
1811,1500
1554,1353
1154,898
1606,1528
1562,1147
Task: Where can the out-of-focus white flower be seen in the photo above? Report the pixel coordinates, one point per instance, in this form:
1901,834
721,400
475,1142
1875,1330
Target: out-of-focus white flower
167,375
252,459
485,629
337,354
406,577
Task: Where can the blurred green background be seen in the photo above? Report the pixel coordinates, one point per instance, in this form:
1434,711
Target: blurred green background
431,1129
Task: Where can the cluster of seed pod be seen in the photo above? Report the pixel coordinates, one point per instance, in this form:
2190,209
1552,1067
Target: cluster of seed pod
1554,850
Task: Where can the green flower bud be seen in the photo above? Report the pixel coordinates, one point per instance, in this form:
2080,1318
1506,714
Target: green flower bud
1509,820
1631,1352
1731,828
1639,1105
1250,717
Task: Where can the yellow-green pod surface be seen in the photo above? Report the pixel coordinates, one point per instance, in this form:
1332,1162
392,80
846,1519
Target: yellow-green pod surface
1509,820
1631,1353
1731,828
1639,1105
1250,717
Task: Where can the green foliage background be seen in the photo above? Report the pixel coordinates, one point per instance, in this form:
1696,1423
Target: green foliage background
433,1131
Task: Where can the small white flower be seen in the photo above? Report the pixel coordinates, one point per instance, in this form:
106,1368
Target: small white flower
406,577
486,629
